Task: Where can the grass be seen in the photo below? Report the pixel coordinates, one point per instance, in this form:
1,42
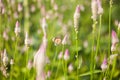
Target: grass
87,45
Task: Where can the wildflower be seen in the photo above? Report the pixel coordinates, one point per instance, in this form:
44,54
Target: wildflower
48,74
77,17
32,8
66,55
11,62
20,8
5,58
17,28
30,64
113,47
116,22
5,35
64,41
85,44
39,58
100,9
60,55
70,68
114,37
104,65
57,41
119,26
3,10
112,57
27,41
94,6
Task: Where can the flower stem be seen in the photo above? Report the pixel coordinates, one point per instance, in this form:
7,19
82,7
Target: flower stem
110,10
53,62
98,38
77,54
92,54
14,56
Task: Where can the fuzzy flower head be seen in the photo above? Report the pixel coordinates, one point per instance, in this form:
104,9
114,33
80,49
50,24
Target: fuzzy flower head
114,37
94,7
104,65
77,17
66,55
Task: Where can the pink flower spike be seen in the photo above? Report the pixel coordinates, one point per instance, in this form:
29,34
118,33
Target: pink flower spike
114,37
66,55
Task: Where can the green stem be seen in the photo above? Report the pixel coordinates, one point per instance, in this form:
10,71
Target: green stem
14,56
53,62
57,69
113,68
98,38
63,58
110,9
65,70
77,55
92,54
